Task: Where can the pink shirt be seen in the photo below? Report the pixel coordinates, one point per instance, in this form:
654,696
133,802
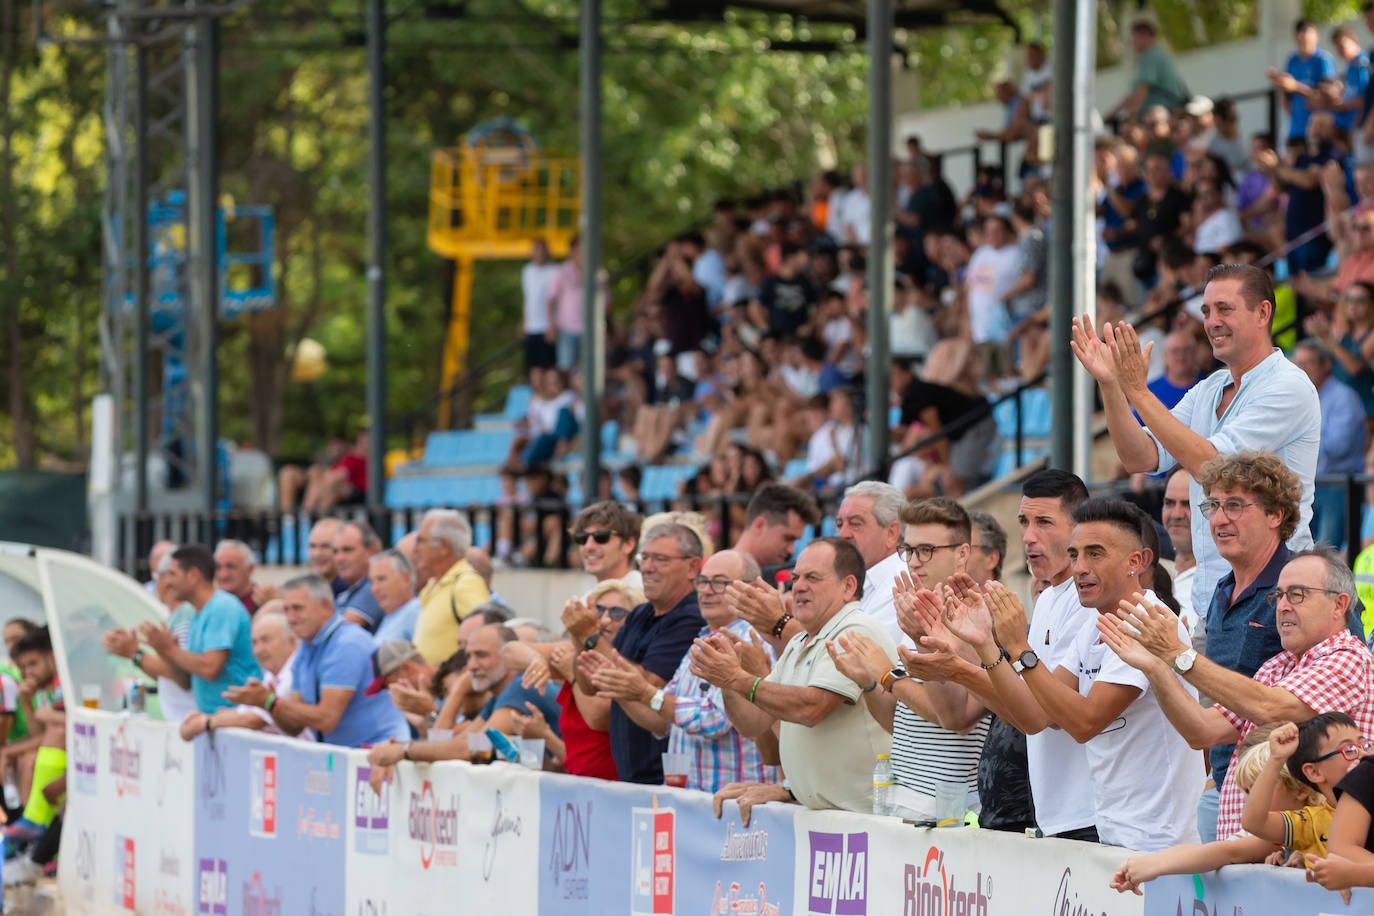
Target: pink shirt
566,292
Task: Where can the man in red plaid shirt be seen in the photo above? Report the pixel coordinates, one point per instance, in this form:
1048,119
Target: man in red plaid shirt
1322,668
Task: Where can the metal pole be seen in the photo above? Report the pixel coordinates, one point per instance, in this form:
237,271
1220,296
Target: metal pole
203,207
1065,27
593,307
140,239
376,242
1084,246
880,268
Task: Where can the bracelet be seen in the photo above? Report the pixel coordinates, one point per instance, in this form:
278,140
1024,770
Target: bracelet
871,687
209,724
271,701
781,625
590,642
753,688
1001,657
883,681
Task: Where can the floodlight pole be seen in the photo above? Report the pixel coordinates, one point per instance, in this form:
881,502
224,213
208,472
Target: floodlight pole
202,210
880,267
376,247
593,305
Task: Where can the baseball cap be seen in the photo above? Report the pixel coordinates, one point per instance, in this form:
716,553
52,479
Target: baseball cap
1198,106
389,656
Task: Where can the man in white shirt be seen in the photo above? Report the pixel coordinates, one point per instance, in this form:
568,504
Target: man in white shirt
535,278
868,519
1218,225
992,271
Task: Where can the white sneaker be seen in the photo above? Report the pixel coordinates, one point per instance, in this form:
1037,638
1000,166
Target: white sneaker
21,870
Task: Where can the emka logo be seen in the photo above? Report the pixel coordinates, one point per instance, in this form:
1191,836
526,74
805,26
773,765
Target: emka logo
371,815
212,888
838,881
931,889
734,901
435,828
570,852
1066,902
256,900
262,819
654,860
126,763
84,757
124,872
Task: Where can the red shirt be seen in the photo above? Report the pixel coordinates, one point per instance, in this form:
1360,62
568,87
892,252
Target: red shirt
355,467
587,752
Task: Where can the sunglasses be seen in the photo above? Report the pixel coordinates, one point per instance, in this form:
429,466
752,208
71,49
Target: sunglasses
613,612
600,536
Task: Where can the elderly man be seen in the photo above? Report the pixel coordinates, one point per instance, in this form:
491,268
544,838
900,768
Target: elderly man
219,652
775,519
393,585
827,740
332,670
155,555
605,535
274,646
1176,515
654,638
319,549
454,588
1103,704
1342,438
690,711
399,669
234,567
1322,667
355,543
1277,408
173,684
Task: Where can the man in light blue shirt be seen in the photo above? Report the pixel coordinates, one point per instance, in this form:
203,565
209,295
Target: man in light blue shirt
330,676
393,585
219,652
1342,439
1258,401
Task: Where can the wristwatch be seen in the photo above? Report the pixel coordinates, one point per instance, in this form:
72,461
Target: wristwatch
1183,661
590,642
1025,662
137,657
656,704
890,679
405,751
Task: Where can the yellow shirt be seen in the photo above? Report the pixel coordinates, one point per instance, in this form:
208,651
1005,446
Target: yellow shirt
1306,829
443,603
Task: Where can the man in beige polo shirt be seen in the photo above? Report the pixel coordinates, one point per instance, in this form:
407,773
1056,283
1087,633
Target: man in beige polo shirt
827,741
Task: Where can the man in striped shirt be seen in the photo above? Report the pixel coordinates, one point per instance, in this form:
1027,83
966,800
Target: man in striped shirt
688,709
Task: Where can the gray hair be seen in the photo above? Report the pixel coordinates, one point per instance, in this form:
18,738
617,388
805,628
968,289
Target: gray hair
687,540
451,528
748,567
1338,576
315,586
279,618
369,537
1317,349
887,499
399,563
517,622
244,550
165,564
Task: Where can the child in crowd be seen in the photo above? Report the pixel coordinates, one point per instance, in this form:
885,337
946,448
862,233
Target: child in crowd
1286,794
1350,837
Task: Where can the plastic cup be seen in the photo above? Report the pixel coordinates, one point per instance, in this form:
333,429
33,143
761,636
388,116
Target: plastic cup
532,753
90,696
440,734
479,748
951,803
675,770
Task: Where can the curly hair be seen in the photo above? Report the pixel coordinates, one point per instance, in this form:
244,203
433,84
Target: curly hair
1261,474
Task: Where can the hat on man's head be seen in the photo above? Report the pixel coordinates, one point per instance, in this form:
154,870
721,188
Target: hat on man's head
1198,106
387,658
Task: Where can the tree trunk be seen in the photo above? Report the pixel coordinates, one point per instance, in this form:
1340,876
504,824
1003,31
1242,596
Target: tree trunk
21,415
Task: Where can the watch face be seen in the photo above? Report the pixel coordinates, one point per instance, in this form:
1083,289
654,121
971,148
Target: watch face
1029,659
899,673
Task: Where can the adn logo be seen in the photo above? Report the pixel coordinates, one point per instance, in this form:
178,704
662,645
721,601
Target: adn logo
256,900
84,757
932,890
371,815
653,860
839,873
126,763
435,828
570,852
212,890
262,818
124,872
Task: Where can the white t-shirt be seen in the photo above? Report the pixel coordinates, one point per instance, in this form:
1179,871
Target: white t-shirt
543,412
1058,764
534,283
854,217
1146,779
911,332
805,381
1033,81
849,442
1183,593
1218,231
877,597
280,684
991,272
836,332
907,471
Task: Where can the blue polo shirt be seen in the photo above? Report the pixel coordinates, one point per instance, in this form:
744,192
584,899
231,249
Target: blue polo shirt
1242,634
657,643
358,597
222,624
399,624
340,656
1309,71
515,695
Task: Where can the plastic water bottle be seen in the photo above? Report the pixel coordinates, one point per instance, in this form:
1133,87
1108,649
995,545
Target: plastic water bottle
12,798
882,785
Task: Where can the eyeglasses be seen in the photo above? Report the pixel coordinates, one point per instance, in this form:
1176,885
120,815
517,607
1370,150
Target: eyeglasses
1295,594
1233,508
1364,227
718,584
611,611
923,552
600,535
1351,750
656,559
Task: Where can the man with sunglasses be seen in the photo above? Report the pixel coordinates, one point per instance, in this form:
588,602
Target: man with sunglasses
1320,668
605,535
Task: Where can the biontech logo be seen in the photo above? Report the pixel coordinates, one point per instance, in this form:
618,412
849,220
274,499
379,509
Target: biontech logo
435,828
934,890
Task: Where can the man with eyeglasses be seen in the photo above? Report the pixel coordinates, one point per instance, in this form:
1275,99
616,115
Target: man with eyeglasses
689,710
453,588
605,535
654,638
1320,668
1259,400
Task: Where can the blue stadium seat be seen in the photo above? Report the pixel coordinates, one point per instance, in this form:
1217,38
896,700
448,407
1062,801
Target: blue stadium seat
467,448
1035,408
794,469
1007,463
516,406
660,482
